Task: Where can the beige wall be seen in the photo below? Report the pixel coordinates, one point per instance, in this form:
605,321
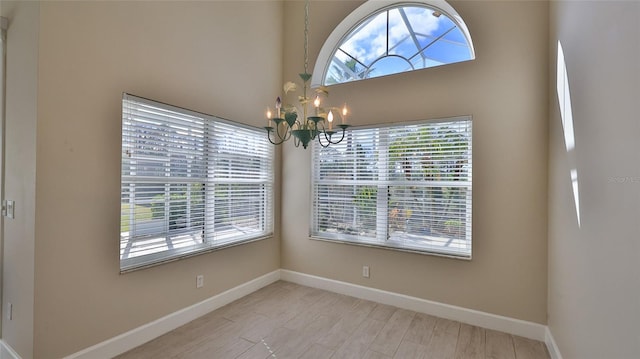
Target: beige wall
20,173
80,57
505,90
594,291
68,63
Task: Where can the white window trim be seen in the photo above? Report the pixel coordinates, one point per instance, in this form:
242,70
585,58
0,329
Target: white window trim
364,11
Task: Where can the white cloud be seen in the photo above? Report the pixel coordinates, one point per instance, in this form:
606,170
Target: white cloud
369,41
422,21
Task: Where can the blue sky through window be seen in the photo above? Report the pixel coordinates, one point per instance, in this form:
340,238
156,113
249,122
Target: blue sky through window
399,39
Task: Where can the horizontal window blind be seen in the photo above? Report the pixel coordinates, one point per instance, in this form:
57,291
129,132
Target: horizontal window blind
402,186
190,182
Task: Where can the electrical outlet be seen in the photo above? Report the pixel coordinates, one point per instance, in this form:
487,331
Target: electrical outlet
365,271
199,281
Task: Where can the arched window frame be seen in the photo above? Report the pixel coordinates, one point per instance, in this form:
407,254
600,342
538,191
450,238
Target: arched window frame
362,13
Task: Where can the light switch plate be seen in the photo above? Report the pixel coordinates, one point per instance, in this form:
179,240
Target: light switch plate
8,208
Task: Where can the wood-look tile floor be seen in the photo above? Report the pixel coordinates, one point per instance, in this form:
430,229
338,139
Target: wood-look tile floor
286,320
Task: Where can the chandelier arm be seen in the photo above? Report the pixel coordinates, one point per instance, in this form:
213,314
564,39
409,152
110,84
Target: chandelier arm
287,133
329,136
320,141
270,140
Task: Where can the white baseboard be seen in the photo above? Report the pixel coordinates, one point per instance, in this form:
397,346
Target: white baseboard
552,347
474,317
138,336
7,352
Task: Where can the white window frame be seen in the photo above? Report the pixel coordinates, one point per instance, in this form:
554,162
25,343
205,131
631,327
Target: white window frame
216,173
429,244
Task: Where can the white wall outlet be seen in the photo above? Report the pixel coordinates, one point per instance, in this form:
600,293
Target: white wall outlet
365,271
199,281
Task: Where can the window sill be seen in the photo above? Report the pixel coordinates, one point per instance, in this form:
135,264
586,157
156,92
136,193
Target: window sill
393,247
204,250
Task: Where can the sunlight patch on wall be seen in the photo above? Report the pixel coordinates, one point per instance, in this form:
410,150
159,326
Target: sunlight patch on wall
566,115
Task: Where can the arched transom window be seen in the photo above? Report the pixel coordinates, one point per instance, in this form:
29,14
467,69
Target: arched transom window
394,38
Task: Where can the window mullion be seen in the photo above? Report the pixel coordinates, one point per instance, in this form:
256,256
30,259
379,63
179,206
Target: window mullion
354,174
167,208
382,200
210,187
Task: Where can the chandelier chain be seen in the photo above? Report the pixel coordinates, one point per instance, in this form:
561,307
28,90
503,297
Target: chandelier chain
306,35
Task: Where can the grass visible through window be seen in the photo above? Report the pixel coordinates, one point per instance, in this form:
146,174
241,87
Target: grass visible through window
141,214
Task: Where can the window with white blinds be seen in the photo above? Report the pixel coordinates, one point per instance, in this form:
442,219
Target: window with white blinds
190,183
406,187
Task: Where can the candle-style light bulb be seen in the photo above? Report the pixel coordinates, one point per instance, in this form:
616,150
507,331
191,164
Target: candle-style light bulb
316,103
344,114
278,105
330,119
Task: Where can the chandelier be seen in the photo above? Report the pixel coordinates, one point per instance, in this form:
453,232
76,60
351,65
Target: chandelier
284,123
